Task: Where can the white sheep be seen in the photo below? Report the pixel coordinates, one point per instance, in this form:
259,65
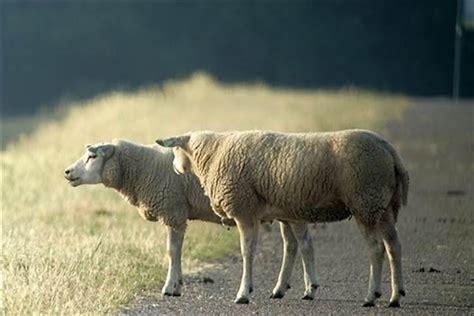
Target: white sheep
162,195
314,177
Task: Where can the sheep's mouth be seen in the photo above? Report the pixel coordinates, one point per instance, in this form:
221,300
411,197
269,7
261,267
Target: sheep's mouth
72,181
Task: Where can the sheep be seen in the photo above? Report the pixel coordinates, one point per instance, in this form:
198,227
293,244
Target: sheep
308,177
161,195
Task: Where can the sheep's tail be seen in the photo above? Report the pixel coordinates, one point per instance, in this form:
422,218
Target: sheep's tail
403,181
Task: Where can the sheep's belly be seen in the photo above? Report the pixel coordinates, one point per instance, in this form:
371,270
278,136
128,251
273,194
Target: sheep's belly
325,214
331,213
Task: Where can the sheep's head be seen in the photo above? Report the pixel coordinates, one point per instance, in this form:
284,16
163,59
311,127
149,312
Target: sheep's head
191,151
182,151
91,168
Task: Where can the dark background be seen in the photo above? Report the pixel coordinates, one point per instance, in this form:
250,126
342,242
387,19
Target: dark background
52,50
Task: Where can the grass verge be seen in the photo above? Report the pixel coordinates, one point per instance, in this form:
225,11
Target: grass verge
85,250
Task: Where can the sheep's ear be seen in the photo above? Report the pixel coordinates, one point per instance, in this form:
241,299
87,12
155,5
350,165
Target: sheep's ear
105,151
180,141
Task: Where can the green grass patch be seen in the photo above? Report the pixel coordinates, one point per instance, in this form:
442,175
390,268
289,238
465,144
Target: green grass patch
84,250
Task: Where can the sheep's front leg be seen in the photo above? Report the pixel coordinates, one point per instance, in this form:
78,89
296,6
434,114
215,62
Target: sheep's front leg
303,236
248,230
174,245
290,248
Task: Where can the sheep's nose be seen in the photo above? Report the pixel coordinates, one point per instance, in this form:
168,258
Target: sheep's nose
67,171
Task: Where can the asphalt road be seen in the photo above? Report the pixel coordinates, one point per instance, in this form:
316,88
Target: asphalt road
436,140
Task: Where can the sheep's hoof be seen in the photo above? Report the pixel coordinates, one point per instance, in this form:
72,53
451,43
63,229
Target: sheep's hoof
307,297
251,289
377,294
277,295
241,300
394,304
402,292
174,294
368,304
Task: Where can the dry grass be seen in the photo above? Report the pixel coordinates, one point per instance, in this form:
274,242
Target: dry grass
68,250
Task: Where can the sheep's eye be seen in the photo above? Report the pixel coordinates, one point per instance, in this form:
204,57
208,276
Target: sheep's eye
90,157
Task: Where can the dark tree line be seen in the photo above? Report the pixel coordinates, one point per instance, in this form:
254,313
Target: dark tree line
54,49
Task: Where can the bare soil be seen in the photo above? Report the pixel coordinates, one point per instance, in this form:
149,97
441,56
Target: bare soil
436,140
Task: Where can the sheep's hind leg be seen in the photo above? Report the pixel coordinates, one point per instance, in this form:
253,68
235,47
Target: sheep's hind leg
290,248
303,236
248,230
376,251
394,252
174,245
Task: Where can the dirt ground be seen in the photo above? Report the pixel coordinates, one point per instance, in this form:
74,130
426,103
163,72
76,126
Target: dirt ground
436,140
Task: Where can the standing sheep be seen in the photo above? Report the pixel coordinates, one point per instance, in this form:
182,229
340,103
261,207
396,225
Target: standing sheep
316,177
162,195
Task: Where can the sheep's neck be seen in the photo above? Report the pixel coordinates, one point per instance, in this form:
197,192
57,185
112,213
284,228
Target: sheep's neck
203,159
133,177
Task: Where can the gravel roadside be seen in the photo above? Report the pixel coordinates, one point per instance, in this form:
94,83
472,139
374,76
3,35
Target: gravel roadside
436,231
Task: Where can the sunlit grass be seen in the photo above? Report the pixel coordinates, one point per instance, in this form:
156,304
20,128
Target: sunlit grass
68,250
